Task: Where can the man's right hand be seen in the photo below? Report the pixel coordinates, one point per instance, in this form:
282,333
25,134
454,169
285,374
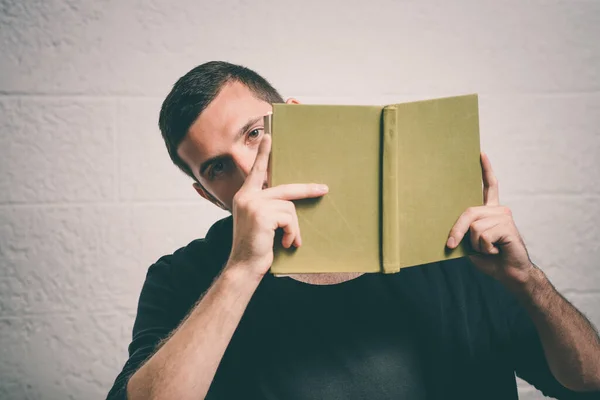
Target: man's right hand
258,212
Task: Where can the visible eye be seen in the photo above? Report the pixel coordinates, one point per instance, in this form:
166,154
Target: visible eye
255,133
216,169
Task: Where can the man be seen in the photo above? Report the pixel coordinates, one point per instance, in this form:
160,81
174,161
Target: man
212,323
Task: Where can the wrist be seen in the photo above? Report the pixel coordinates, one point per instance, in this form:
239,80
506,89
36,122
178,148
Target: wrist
241,274
530,284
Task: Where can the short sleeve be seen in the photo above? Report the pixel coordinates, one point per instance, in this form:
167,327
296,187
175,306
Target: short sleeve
528,356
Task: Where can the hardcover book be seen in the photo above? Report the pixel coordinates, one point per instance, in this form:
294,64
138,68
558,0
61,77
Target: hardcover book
399,177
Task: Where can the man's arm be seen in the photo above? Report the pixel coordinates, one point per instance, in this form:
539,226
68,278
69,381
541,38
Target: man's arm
183,368
570,343
185,365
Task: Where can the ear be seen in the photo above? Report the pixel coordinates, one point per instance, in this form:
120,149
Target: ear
292,100
205,194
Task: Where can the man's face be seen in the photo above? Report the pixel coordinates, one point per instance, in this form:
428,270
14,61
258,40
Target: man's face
221,145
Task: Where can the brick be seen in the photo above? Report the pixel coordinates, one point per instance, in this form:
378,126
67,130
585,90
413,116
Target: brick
103,47
440,47
63,355
59,259
561,236
56,150
543,144
145,170
392,47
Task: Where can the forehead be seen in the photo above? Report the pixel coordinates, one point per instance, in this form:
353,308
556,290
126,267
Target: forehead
215,129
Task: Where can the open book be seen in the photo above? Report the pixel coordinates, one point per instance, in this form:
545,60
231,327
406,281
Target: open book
399,176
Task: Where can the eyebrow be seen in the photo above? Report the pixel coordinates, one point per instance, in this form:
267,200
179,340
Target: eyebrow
204,166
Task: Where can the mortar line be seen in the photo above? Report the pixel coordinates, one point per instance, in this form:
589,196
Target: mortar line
116,95
198,203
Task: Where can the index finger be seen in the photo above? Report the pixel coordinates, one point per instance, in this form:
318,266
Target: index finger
256,176
296,191
490,183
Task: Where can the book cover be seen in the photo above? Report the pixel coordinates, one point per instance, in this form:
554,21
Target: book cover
398,175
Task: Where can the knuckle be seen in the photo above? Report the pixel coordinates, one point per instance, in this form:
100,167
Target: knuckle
474,230
286,220
507,211
239,198
291,207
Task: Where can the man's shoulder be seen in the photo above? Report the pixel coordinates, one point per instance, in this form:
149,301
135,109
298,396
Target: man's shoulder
213,247
198,262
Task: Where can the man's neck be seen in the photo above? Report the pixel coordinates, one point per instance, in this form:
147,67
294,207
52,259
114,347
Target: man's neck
325,279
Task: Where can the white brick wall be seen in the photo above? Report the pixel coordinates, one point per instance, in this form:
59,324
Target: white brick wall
88,198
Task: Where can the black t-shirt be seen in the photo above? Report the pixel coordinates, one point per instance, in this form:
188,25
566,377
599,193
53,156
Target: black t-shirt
437,331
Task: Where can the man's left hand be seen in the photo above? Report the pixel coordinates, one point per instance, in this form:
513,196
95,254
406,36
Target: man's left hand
500,251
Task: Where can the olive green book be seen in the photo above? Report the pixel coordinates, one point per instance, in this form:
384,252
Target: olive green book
399,176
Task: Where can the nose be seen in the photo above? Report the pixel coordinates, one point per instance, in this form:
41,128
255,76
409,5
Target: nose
244,161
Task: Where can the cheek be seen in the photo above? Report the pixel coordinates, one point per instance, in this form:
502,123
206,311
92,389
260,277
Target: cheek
225,190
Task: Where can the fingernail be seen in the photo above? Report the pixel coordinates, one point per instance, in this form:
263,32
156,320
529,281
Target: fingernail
450,243
322,188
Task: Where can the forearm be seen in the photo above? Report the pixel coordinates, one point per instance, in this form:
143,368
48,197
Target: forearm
570,343
184,366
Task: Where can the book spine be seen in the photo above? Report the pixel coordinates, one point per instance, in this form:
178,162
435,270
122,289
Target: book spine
390,224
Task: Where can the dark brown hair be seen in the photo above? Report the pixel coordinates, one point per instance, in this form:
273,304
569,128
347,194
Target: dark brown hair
194,91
